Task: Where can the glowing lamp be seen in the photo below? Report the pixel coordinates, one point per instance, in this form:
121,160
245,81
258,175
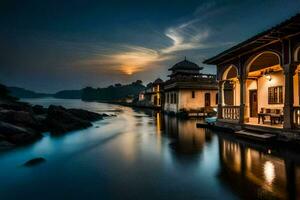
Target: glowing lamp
268,77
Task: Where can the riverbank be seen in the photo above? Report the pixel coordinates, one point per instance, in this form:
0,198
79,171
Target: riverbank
22,123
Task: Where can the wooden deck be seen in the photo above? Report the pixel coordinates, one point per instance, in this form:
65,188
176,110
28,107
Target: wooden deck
251,126
254,122
255,135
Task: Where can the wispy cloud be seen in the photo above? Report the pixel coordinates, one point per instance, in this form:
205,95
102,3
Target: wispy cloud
193,33
185,38
131,60
190,34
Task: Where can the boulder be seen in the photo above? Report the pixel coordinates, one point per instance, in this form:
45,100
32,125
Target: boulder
21,118
17,135
17,106
60,120
34,161
21,123
39,110
85,115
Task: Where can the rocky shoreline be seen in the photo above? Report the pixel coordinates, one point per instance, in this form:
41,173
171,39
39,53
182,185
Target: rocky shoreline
21,123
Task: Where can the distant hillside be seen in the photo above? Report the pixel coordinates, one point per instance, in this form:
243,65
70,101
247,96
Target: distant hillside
112,93
68,94
24,93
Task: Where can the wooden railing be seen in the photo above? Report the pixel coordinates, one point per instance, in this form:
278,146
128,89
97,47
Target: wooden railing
296,116
231,112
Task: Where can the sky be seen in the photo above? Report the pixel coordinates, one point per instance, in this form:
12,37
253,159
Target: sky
50,45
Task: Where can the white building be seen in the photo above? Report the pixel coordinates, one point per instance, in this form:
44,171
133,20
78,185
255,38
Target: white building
188,90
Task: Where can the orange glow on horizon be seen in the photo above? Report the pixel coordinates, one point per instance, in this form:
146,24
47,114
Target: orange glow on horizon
136,59
128,70
133,62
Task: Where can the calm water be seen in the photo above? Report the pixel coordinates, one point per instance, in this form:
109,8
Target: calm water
144,155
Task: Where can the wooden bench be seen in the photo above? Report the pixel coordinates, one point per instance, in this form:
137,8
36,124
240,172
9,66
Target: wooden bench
275,115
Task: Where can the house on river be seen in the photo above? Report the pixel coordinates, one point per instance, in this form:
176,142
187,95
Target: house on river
258,81
189,91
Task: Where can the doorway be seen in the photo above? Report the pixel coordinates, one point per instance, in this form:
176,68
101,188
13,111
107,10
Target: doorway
155,100
253,103
207,99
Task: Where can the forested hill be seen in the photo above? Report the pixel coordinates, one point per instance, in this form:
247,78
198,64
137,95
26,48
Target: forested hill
112,93
24,93
68,94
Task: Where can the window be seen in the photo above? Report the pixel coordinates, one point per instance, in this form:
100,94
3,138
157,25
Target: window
193,94
167,97
217,98
172,98
175,100
275,95
207,99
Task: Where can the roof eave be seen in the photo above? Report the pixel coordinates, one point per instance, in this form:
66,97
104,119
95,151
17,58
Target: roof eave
221,56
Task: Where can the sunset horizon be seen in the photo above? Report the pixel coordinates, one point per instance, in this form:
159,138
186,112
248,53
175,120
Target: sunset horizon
46,46
144,100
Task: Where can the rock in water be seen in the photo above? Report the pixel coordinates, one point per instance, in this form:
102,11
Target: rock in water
60,120
20,118
39,110
16,135
85,115
21,123
16,106
34,161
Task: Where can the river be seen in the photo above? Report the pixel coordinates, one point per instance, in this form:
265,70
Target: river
141,154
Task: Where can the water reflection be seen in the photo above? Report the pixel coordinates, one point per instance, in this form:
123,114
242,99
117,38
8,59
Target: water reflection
146,155
269,172
253,174
250,171
187,139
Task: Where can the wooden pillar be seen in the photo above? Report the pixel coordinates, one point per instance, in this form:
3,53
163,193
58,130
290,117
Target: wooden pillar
220,99
242,99
289,70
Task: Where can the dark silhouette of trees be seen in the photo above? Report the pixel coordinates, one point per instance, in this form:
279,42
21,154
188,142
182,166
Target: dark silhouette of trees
113,92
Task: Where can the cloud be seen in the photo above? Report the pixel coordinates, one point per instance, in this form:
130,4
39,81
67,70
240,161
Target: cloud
190,34
185,38
132,59
194,33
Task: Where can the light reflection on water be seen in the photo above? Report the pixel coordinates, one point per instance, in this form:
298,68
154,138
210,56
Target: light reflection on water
143,154
269,172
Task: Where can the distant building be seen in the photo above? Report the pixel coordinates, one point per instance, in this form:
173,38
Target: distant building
157,92
142,96
188,90
128,100
152,96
